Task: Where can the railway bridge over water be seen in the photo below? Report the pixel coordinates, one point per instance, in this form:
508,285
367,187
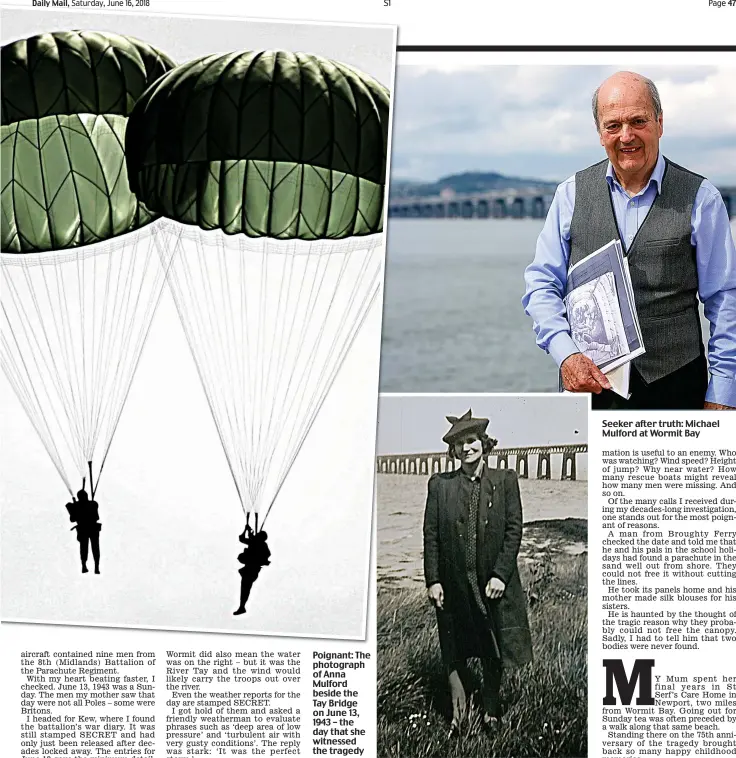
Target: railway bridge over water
521,203
431,463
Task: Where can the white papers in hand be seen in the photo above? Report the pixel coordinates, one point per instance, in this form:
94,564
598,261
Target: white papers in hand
601,311
619,378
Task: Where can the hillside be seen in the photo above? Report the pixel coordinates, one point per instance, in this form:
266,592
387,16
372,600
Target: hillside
469,181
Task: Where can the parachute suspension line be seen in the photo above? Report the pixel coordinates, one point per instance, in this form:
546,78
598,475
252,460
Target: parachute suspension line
75,324
69,358
300,399
245,384
13,374
230,355
82,415
297,396
26,318
219,324
273,427
150,307
108,396
171,254
94,389
313,300
91,482
259,407
368,283
145,310
268,323
263,413
120,343
103,357
240,377
85,401
41,363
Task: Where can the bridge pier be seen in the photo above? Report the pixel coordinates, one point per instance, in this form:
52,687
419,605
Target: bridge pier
568,471
522,466
502,461
544,466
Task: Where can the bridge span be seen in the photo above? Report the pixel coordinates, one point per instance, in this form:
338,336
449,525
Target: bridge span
522,203
430,463
531,203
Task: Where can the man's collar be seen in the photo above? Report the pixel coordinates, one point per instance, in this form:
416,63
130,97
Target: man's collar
656,177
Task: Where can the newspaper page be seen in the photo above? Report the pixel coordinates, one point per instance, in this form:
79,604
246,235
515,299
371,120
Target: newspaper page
190,381
494,568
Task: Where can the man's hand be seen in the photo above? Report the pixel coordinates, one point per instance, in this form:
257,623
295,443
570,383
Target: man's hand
717,407
495,588
436,595
580,374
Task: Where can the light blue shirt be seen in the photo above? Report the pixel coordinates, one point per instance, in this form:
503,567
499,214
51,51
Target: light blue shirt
716,262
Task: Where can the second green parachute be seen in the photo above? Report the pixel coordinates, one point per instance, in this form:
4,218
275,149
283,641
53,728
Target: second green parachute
273,167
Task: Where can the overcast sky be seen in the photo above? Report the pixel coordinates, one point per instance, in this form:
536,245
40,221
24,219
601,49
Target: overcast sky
417,423
536,121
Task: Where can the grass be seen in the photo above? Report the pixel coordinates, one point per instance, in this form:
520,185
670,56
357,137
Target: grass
544,704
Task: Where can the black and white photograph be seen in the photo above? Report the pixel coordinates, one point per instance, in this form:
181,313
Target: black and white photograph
192,284
482,575
505,177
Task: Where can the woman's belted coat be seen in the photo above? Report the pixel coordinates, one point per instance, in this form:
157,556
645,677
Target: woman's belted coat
498,541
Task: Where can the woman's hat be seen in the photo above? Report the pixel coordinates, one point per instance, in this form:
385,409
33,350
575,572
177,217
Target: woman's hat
466,423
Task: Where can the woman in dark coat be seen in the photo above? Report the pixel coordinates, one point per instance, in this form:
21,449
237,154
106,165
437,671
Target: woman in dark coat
472,535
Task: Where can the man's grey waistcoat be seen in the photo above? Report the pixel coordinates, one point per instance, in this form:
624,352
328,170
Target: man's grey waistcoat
661,259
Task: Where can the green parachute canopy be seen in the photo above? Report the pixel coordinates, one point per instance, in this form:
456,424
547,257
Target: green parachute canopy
270,144
66,98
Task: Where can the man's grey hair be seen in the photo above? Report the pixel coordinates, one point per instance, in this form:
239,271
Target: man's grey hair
653,96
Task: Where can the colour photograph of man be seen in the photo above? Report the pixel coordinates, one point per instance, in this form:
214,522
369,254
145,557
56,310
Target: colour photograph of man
481,155
674,229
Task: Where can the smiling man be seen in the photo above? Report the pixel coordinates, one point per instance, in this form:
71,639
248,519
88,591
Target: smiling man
674,228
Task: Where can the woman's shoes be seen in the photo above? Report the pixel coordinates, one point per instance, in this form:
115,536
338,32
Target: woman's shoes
489,724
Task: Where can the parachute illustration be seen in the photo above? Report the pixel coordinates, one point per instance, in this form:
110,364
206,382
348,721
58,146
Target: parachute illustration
271,168
80,274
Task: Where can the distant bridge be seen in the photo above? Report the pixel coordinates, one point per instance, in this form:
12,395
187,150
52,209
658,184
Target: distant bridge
431,463
520,203
533,203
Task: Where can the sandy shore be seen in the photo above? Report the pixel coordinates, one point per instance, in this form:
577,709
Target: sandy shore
401,500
